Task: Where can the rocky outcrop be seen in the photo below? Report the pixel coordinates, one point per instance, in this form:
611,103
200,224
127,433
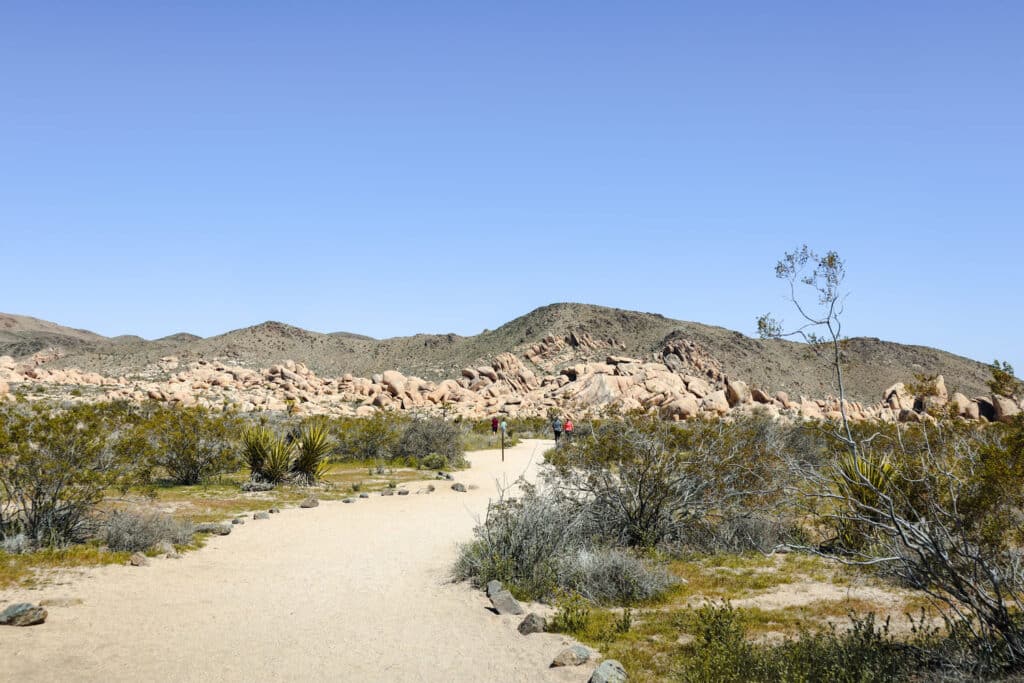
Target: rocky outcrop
681,382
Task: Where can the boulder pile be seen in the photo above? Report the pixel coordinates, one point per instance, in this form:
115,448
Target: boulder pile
680,382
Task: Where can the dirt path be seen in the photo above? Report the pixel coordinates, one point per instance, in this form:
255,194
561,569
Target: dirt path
342,592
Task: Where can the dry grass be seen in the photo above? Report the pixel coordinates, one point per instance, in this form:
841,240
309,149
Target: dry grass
652,648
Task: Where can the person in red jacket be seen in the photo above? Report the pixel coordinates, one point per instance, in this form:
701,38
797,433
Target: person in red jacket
567,429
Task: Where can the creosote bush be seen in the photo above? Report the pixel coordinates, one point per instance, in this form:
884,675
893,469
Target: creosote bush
135,532
55,467
430,436
190,444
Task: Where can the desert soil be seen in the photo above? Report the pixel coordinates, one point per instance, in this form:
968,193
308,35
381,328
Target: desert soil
346,592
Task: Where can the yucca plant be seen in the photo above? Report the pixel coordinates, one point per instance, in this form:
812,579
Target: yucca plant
256,442
269,458
863,482
313,446
280,456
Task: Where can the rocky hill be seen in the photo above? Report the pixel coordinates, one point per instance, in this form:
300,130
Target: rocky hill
569,358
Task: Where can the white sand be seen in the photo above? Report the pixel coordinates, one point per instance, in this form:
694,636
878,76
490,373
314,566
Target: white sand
341,592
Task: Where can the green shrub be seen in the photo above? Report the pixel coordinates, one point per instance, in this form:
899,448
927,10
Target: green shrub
721,651
431,436
369,439
190,444
55,467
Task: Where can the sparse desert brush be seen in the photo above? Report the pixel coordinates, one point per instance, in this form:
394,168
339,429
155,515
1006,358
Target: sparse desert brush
134,531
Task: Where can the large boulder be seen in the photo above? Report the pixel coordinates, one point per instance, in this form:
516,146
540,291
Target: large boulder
682,407
394,381
697,386
716,402
1005,408
737,392
809,409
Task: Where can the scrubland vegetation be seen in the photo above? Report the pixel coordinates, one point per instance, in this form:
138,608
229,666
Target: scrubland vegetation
81,484
674,521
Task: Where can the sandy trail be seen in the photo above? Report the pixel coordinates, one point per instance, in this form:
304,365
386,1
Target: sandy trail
342,592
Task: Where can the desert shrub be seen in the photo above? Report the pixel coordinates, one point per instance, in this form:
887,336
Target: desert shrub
135,532
606,576
945,518
191,444
518,542
539,545
434,461
55,467
312,443
431,436
369,439
740,533
572,613
721,651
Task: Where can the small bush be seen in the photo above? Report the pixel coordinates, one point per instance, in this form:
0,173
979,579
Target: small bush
432,437
135,532
722,652
612,577
572,614
434,461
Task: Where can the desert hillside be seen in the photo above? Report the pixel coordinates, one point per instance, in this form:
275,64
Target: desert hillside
591,333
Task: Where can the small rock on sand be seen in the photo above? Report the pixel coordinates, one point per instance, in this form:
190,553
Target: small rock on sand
213,528
364,495
22,614
533,623
138,560
348,500
610,671
403,492
274,511
504,603
236,520
261,515
571,656
310,502
461,488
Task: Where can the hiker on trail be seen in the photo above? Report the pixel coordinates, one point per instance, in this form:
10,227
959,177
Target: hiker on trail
504,427
567,428
556,426
494,425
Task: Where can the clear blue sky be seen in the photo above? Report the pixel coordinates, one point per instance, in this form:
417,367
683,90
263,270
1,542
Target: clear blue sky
391,168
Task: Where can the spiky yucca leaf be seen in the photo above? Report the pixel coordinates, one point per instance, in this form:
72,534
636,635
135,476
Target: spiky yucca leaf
277,465
313,448
255,444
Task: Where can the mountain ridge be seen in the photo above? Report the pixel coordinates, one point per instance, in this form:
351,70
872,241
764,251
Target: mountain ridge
590,332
